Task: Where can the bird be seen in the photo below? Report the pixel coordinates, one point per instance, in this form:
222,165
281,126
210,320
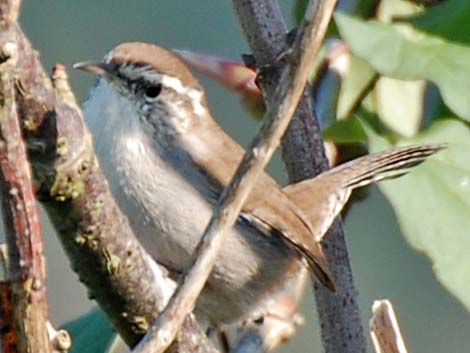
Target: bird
167,162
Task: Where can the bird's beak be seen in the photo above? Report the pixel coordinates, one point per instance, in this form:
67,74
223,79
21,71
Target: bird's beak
94,67
99,68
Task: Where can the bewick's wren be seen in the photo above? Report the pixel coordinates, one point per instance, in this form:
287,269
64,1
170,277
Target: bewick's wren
167,162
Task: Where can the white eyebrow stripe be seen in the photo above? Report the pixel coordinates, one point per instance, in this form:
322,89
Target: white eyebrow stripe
195,95
173,83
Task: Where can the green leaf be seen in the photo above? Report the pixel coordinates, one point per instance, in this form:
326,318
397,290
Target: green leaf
389,10
450,20
91,333
345,131
358,81
411,55
400,104
298,10
432,203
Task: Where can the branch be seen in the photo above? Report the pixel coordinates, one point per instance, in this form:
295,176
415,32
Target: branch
96,236
24,299
384,329
302,152
276,121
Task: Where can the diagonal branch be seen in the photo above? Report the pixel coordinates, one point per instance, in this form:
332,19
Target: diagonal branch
302,152
278,116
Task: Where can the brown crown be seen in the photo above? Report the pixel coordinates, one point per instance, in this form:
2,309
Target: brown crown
161,60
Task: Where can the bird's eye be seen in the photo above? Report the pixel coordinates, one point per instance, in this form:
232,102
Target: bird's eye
153,91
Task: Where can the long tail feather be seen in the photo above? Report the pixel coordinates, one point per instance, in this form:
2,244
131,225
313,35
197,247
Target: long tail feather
382,165
323,197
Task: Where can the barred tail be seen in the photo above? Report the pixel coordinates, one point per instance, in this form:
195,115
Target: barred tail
323,197
383,165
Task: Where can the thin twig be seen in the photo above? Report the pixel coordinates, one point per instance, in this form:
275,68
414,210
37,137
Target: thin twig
69,183
278,325
384,329
277,118
26,270
302,152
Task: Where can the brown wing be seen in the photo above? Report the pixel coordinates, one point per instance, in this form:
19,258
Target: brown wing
267,205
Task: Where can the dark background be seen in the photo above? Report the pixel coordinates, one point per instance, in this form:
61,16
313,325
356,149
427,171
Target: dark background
384,265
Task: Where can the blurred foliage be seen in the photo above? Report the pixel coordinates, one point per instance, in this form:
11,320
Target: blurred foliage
359,80
345,131
432,203
299,9
232,74
91,333
412,55
398,51
450,20
400,107
357,7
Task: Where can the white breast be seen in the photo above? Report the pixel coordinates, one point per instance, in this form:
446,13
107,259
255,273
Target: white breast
169,215
157,200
